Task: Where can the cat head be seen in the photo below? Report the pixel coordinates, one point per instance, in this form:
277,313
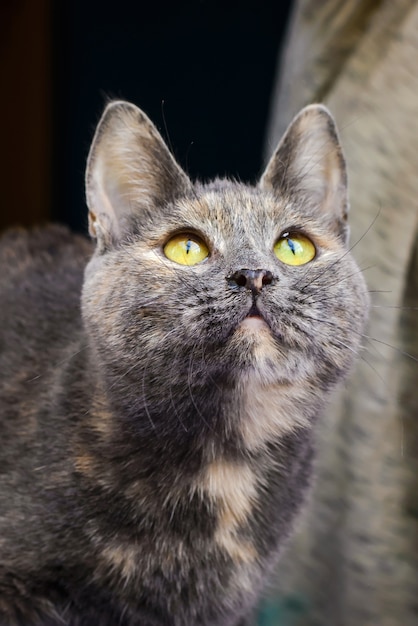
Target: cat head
198,290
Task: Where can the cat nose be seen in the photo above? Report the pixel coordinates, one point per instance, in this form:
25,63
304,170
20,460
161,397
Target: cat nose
253,280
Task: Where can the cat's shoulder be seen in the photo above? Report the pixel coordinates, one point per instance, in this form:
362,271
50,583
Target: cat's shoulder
42,257
41,275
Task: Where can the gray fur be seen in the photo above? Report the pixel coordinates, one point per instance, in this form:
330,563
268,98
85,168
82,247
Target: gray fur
156,441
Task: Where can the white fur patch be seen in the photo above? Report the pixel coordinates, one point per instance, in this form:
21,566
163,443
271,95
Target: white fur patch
268,412
268,409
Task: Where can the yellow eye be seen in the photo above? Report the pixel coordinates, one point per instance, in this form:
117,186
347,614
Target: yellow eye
186,249
294,249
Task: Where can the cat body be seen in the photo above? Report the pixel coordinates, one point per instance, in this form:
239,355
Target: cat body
156,414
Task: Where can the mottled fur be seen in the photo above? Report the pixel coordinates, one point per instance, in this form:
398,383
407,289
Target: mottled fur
156,441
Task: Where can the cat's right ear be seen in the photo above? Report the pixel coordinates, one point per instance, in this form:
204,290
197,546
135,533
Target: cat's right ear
129,170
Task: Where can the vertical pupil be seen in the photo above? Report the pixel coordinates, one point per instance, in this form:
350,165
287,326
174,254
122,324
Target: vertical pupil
188,246
291,246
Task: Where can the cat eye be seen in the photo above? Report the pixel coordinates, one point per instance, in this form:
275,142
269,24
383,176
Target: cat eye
294,249
186,249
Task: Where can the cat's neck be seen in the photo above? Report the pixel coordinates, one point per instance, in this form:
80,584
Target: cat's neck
238,427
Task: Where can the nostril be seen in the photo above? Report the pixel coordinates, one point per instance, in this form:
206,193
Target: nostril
267,278
240,279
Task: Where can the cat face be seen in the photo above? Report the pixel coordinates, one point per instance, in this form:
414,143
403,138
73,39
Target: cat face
203,292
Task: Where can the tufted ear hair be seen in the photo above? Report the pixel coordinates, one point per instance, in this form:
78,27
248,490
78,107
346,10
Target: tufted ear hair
129,171
308,166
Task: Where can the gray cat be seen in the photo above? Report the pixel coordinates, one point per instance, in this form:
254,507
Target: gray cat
158,393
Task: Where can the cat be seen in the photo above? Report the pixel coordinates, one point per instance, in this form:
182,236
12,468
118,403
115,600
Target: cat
160,388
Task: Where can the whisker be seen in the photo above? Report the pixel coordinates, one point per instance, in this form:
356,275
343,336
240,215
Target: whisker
121,376
390,306
58,363
331,284
189,387
132,367
361,356
359,352
348,251
350,123
170,390
170,145
326,322
388,345
215,384
144,395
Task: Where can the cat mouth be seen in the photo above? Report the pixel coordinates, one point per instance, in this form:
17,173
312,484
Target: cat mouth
254,319
254,312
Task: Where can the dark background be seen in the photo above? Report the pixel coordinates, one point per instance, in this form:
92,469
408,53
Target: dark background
203,71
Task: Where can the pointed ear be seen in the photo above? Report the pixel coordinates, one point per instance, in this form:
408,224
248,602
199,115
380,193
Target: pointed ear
129,171
309,167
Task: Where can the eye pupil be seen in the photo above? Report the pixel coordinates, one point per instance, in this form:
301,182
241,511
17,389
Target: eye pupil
188,246
291,245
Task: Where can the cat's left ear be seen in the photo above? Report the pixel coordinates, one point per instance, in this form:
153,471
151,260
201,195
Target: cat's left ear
308,167
130,171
